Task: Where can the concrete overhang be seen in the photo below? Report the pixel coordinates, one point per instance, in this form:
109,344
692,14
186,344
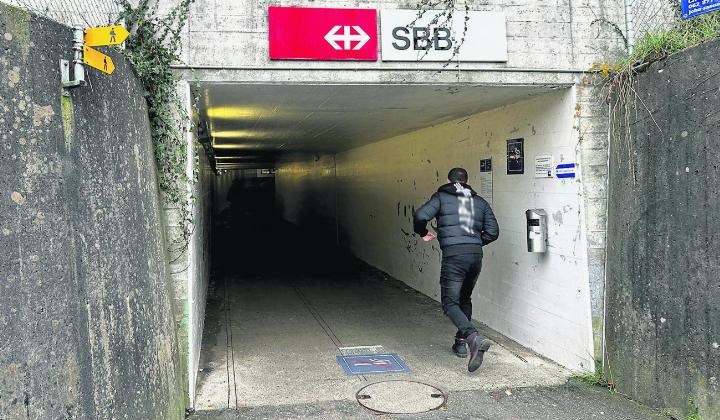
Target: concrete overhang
256,121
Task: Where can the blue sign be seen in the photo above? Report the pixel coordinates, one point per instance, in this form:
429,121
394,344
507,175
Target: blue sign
565,170
373,363
692,8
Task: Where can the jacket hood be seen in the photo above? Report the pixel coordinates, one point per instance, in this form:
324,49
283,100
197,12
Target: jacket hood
458,189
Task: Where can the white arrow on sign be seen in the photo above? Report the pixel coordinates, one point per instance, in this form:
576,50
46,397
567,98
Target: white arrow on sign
347,37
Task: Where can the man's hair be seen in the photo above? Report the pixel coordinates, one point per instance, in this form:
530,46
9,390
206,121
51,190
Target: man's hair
458,175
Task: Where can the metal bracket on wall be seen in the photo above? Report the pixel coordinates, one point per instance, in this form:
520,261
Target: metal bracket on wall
78,66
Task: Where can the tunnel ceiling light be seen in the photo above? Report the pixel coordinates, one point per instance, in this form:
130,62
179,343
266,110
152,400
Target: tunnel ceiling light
236,146
240,146
244,134
254,158
235,112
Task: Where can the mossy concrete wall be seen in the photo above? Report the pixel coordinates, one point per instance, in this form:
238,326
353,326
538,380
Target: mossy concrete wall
663,275
85,300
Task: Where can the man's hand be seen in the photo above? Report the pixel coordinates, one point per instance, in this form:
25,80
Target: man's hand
429,237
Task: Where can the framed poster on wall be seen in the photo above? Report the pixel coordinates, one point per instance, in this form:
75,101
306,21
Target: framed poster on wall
516,156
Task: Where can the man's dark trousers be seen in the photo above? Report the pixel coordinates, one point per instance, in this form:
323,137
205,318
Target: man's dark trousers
458,276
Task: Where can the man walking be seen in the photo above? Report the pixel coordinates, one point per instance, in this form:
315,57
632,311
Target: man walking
465,223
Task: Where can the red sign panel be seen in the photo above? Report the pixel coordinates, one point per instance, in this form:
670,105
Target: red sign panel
298,33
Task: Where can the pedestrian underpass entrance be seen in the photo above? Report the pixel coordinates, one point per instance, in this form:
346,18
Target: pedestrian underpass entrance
314,191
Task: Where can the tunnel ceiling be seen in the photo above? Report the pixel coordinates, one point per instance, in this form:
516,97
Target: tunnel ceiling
262,121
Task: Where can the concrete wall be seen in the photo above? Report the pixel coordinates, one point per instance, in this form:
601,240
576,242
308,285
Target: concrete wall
547,43
663,288
591,124
542,301
557,35
86,314
200,267
190,259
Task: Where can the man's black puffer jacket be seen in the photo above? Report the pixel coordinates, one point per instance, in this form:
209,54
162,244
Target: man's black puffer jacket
465,221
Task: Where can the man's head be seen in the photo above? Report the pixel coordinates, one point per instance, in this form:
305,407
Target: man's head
458,175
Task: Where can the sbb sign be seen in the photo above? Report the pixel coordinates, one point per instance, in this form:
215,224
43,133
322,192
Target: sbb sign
422,39
300,33
405,39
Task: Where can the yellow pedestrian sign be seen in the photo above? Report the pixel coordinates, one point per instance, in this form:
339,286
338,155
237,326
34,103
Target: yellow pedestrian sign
98,60
105,35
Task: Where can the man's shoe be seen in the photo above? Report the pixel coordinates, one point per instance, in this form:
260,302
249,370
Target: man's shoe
478,346
460,348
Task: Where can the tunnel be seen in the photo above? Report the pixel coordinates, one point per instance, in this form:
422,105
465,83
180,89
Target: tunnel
311,190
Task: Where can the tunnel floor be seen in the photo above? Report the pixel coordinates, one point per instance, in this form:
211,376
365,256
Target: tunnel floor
283,307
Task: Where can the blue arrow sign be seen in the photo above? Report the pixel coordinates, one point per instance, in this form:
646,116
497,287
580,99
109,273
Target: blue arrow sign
692,8
565,170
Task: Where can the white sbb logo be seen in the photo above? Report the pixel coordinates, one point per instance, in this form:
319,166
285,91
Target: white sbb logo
347,37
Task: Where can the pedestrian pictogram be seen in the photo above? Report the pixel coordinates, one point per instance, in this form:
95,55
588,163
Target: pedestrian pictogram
105,35
98,60
347,37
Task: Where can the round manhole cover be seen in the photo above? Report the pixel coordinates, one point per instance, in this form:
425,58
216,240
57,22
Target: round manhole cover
400,397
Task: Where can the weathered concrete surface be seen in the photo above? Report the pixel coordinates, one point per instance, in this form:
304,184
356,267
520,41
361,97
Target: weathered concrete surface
592,128
190,257
85,303
572,401
663,288
564,34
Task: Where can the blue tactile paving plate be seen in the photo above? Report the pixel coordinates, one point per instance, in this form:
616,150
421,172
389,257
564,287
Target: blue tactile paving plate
372,364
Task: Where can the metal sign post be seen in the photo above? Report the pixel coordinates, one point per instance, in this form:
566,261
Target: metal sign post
83,39
78,66
629,25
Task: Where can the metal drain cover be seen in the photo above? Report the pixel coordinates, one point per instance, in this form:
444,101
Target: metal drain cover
400,397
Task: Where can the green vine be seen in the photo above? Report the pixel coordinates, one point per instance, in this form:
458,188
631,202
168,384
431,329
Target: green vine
444,11
620,81
154,45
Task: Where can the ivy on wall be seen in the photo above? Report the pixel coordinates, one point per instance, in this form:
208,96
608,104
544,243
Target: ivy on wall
443,12
152,48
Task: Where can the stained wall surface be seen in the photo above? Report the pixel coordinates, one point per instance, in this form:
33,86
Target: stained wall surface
663,286
541,301
85,299
197,274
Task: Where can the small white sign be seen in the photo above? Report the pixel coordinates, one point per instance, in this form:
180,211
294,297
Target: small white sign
407,38
486,186
544,166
